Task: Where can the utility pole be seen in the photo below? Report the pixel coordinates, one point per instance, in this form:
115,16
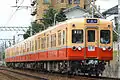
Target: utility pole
118,27
93,2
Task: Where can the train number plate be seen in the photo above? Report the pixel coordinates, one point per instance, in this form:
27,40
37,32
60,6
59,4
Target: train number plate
91,48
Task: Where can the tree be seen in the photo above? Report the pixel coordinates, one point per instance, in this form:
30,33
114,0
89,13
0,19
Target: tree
35,29
48,20
48,17
61,16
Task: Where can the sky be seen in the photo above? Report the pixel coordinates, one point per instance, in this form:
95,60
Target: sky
106,4
22,17
10,17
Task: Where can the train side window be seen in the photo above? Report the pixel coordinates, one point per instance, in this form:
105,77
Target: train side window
41,43
63,37
52,43
38,43
105,36
91,35
53,40
44,42
59,38
25,47
32,45
77,36
47,41
20,49
35,44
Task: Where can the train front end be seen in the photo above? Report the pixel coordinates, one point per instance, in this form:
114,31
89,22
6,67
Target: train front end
91,43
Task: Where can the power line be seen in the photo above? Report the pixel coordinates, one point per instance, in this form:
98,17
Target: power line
14,12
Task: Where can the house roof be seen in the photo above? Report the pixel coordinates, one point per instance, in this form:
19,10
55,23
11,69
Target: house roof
111,11
73,8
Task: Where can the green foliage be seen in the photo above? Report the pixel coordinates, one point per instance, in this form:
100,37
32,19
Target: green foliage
35,29
48,17
27,34
48,20
61,16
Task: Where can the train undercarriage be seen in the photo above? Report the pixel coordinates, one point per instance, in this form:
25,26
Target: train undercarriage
89,67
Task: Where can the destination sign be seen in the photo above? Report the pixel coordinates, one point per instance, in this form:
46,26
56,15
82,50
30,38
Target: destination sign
92,21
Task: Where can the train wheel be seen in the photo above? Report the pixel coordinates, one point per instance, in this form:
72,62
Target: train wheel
89,74
97,74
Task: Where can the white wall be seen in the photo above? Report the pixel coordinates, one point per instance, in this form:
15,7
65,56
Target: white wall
75,13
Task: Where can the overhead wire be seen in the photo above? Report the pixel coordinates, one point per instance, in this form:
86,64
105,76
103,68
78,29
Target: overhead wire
103,18
14,12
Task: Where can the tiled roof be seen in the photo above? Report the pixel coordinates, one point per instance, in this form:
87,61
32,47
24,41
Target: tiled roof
73,8
113,10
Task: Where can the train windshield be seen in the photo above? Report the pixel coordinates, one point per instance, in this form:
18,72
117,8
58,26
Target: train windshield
105,36
91,35
77,36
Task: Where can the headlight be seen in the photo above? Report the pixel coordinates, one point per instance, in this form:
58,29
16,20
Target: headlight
103,48
79,48
74,48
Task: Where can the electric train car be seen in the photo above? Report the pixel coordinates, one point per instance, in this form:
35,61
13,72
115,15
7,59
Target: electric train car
80,45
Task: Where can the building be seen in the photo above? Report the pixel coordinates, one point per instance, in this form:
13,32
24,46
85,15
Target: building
75,12
39,7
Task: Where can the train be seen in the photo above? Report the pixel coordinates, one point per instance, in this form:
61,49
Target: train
75,46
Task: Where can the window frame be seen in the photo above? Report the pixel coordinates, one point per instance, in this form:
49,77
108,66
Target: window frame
109,37
59,37
82,35
89,36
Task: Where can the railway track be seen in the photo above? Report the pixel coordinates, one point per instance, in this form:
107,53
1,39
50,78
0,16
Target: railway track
11,74
53,76
6,76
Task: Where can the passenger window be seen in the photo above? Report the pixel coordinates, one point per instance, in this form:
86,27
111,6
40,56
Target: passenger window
59,38
53,40
43,43
63,37
91,35
105,36
77,36
38,43
32,45
35,44
47,41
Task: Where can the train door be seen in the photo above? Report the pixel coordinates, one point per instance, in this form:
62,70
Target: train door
91,42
